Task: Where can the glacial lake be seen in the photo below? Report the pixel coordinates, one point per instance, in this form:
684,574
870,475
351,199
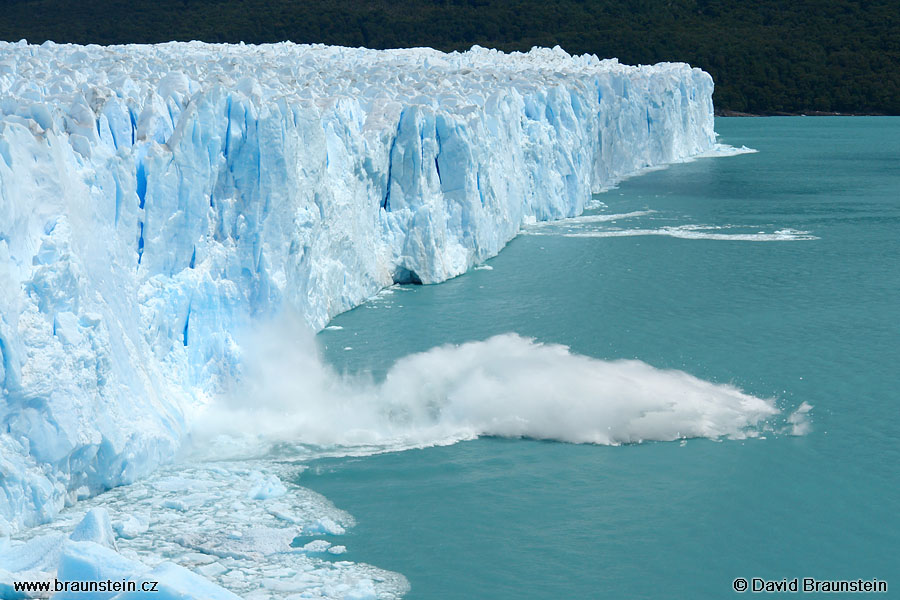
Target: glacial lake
777,272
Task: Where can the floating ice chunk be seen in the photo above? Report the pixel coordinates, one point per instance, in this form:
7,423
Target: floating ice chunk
364,590
212,569
95,527
254,542
88,561
39,554
267,487
178,583
316,546
130,527
189,501
324,525
283,513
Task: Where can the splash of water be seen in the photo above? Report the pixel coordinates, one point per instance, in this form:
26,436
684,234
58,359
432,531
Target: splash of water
507,386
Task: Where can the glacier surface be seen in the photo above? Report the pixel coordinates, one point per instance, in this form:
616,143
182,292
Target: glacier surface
153,199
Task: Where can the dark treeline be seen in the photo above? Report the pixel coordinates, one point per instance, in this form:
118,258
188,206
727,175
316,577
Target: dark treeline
767,56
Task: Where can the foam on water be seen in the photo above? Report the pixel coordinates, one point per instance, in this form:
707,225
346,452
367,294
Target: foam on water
593,226
700,232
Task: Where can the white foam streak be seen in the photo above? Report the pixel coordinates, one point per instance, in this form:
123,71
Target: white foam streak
694,232
506,386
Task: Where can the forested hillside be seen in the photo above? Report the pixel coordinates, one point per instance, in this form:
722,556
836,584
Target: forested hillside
767,56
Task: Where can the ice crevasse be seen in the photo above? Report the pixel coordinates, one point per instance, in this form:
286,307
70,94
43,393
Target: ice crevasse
154,198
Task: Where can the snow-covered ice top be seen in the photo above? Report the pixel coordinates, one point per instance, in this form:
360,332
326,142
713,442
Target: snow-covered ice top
155,198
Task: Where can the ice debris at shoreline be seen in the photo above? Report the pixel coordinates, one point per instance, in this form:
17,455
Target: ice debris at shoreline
184,526
155,198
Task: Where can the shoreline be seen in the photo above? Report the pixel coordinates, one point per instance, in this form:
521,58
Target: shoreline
813,113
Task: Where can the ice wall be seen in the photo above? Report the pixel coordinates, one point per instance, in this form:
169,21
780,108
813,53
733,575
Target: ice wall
153,198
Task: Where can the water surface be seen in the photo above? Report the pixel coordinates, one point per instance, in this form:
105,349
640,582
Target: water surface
778,272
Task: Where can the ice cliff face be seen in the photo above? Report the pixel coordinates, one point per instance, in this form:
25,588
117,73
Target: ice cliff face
153,198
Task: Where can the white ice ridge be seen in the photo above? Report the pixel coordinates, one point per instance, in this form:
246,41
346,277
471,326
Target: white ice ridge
152,198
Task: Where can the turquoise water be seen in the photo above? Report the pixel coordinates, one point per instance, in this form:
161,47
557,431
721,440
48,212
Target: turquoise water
813,317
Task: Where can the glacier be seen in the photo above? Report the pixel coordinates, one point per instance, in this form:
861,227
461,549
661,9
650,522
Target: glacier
153,199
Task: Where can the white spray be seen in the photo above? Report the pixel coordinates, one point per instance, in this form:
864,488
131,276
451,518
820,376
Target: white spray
507,386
